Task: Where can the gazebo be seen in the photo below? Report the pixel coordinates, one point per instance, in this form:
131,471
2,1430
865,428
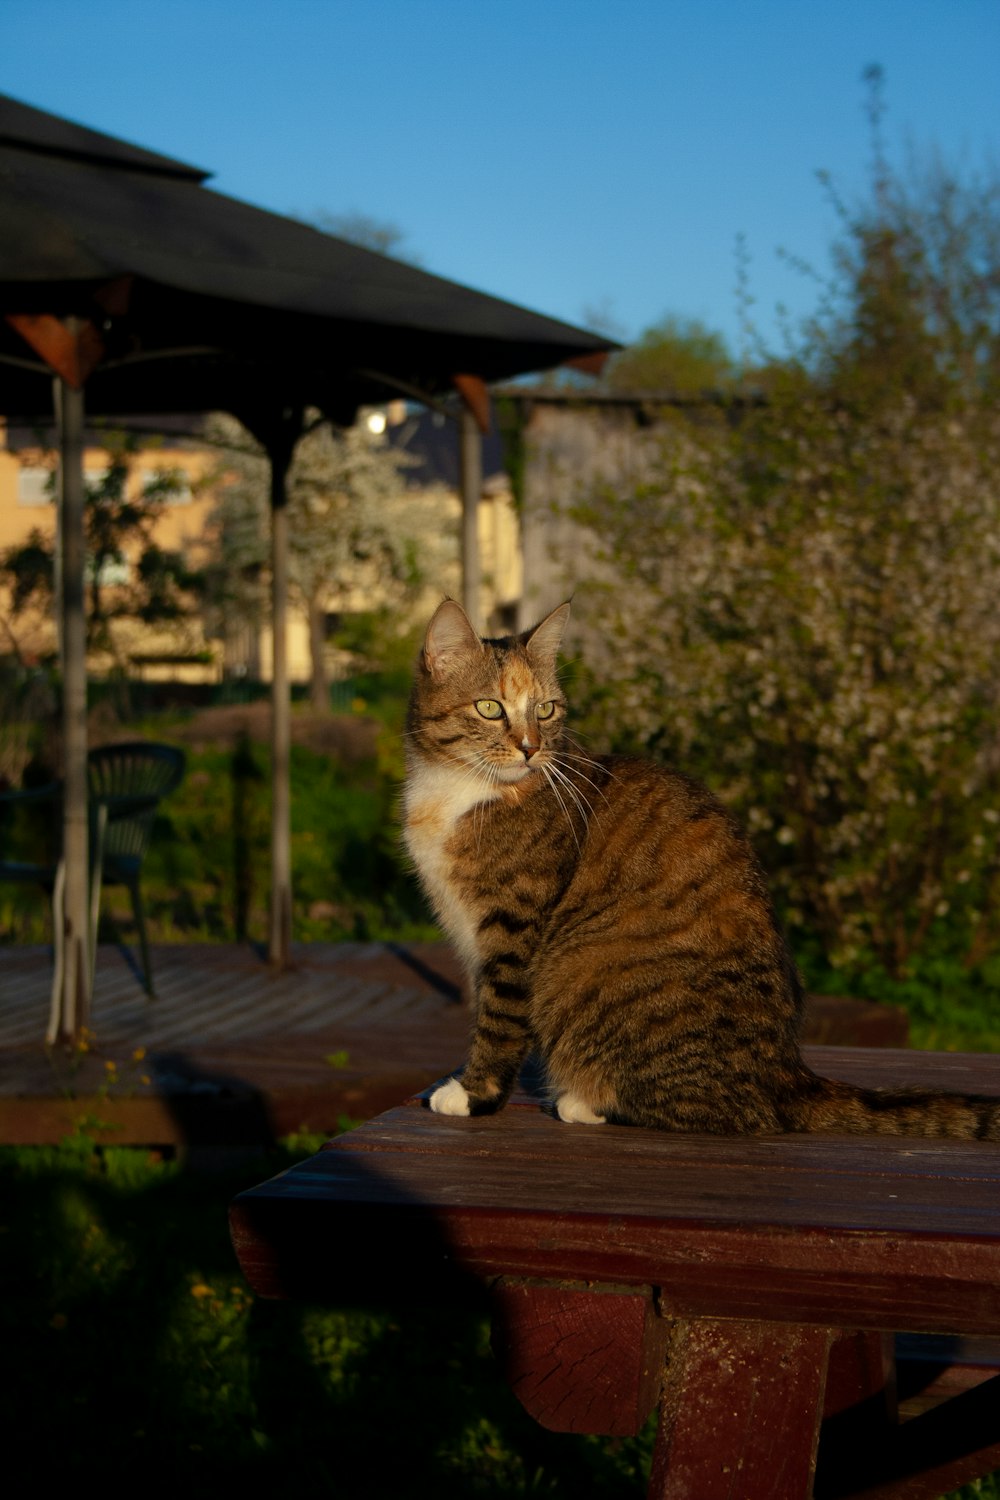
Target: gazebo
128,287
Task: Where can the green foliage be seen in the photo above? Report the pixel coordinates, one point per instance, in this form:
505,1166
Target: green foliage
803,613
207,874
677,356
208,870
800,607
344,538
951,1007
914,305
28,570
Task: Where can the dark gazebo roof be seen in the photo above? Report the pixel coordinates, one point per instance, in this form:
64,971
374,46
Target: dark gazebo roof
146,292
204,297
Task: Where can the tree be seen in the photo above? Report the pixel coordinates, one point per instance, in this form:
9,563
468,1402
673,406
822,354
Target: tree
339,489
677,356
365,230
341,486
915,292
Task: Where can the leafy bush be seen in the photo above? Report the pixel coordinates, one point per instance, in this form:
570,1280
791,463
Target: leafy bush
208,871
803,612
799,605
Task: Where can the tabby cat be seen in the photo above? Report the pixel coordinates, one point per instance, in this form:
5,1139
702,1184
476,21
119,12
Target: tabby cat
610,915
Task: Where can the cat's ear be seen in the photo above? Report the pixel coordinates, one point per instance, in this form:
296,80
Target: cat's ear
542,643
450,639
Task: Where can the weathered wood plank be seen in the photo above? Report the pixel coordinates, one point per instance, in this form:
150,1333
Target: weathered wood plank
779,1262
740,1412
200,986
881,1282
525,1134
903,1067
932,1370
580,1358
524,1161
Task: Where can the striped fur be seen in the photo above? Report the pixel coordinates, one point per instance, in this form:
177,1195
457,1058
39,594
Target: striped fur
611,916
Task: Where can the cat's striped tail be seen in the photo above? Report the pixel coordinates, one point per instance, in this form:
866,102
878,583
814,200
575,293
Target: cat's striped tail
825,1104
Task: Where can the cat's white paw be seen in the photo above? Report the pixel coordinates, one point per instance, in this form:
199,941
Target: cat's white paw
576,1111
450,1099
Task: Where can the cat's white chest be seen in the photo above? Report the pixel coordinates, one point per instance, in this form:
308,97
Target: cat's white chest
435,798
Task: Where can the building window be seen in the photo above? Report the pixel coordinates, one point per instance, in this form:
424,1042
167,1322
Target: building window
34,486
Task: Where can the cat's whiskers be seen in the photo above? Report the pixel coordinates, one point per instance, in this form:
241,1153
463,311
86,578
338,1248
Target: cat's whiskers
569,772
576,792
547,769
575,738
418,740
555,773
477,771
587,760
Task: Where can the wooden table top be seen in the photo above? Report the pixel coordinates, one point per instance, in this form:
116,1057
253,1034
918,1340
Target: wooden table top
899,1233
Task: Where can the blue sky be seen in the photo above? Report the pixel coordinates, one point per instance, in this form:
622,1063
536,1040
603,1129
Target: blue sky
570,155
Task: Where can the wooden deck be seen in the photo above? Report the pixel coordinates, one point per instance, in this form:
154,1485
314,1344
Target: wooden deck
234,1053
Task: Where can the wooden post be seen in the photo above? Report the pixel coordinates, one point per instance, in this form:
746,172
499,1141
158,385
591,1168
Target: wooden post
585,1358
470,450
473,423
71,347
740,1411
280,447
71,1006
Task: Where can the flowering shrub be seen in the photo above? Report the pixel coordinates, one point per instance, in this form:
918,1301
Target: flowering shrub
803,610
801,604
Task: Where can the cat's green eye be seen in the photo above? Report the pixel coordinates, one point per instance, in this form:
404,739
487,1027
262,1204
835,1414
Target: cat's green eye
489,708
545,710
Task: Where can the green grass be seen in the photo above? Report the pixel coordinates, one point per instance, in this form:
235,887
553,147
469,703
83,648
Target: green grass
137,1356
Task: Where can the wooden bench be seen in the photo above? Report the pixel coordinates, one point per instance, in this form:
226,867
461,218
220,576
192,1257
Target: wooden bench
749,1288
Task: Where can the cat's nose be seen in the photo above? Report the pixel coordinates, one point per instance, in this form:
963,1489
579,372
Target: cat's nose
529,750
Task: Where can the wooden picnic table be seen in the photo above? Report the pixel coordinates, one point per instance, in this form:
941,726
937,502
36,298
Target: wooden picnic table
748,1287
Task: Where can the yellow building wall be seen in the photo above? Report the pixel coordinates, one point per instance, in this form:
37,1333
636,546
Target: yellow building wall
431,514
27,505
